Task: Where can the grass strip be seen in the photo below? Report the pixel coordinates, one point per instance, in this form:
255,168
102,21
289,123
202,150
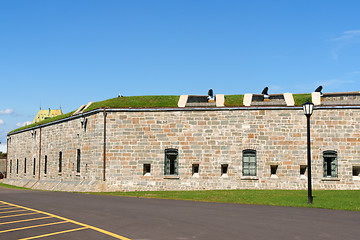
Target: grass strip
136,102
299,99
4,185
234,100
328,199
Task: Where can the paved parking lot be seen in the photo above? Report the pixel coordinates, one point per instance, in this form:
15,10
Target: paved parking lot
18,222
28,214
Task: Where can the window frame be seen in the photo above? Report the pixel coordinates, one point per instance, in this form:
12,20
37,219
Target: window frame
333,164
168,162
249,153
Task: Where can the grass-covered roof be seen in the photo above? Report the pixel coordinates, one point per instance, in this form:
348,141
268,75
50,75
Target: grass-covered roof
152,102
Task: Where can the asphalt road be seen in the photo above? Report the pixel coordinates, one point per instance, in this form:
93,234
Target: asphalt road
142,219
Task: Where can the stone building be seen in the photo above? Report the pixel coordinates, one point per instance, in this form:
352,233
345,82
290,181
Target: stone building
2,165
196,145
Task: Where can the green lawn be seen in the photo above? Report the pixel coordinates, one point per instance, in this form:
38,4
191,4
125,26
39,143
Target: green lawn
330,199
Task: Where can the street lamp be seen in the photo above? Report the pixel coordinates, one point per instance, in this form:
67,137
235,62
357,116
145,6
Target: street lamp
308,110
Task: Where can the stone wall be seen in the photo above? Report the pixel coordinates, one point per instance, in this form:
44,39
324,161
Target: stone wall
209,138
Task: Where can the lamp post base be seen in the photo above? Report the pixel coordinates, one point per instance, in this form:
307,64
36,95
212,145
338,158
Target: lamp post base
310,200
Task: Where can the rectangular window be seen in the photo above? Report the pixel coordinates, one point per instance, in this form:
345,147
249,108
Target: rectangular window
249,162
224,169
356,171
45,165
171,161
10,166
273,169
195,169
303,170
17,166
34,167
146,169
78,161
60,162
25,165
330,164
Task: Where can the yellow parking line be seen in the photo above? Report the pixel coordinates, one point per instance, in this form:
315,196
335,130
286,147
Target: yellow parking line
21,210
19,215
7,208
72,221
34,226
55,233
25,220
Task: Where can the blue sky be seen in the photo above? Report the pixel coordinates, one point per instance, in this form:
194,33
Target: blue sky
69,52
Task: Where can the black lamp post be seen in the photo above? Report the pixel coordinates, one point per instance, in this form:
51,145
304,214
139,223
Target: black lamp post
308,110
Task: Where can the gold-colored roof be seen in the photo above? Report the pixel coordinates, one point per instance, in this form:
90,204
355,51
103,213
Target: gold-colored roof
43,114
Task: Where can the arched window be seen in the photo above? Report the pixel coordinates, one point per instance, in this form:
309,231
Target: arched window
249,162
330,164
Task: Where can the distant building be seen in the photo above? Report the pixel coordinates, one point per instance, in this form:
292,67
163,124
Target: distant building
2,165
44,114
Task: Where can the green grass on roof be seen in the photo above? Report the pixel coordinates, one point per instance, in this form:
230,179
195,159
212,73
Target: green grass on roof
44,121
234,100
301,98
136,102
153,102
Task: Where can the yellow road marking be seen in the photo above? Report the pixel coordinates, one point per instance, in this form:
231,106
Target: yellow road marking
7,208
69,220
55,233
21,210
25,220
34,226
19,215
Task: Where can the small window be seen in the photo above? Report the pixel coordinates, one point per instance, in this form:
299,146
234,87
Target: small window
10,170
60,162
78,161
34,167
171,161
25,165
195,169
249,162
17,166
45,165
224,169
146,169
303,170
330,164
273,169
356,171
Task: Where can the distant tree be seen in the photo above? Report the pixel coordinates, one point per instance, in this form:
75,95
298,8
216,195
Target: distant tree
2,155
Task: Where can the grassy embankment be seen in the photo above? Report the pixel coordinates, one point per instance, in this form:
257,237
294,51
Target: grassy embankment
123,102
44,121
136,102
